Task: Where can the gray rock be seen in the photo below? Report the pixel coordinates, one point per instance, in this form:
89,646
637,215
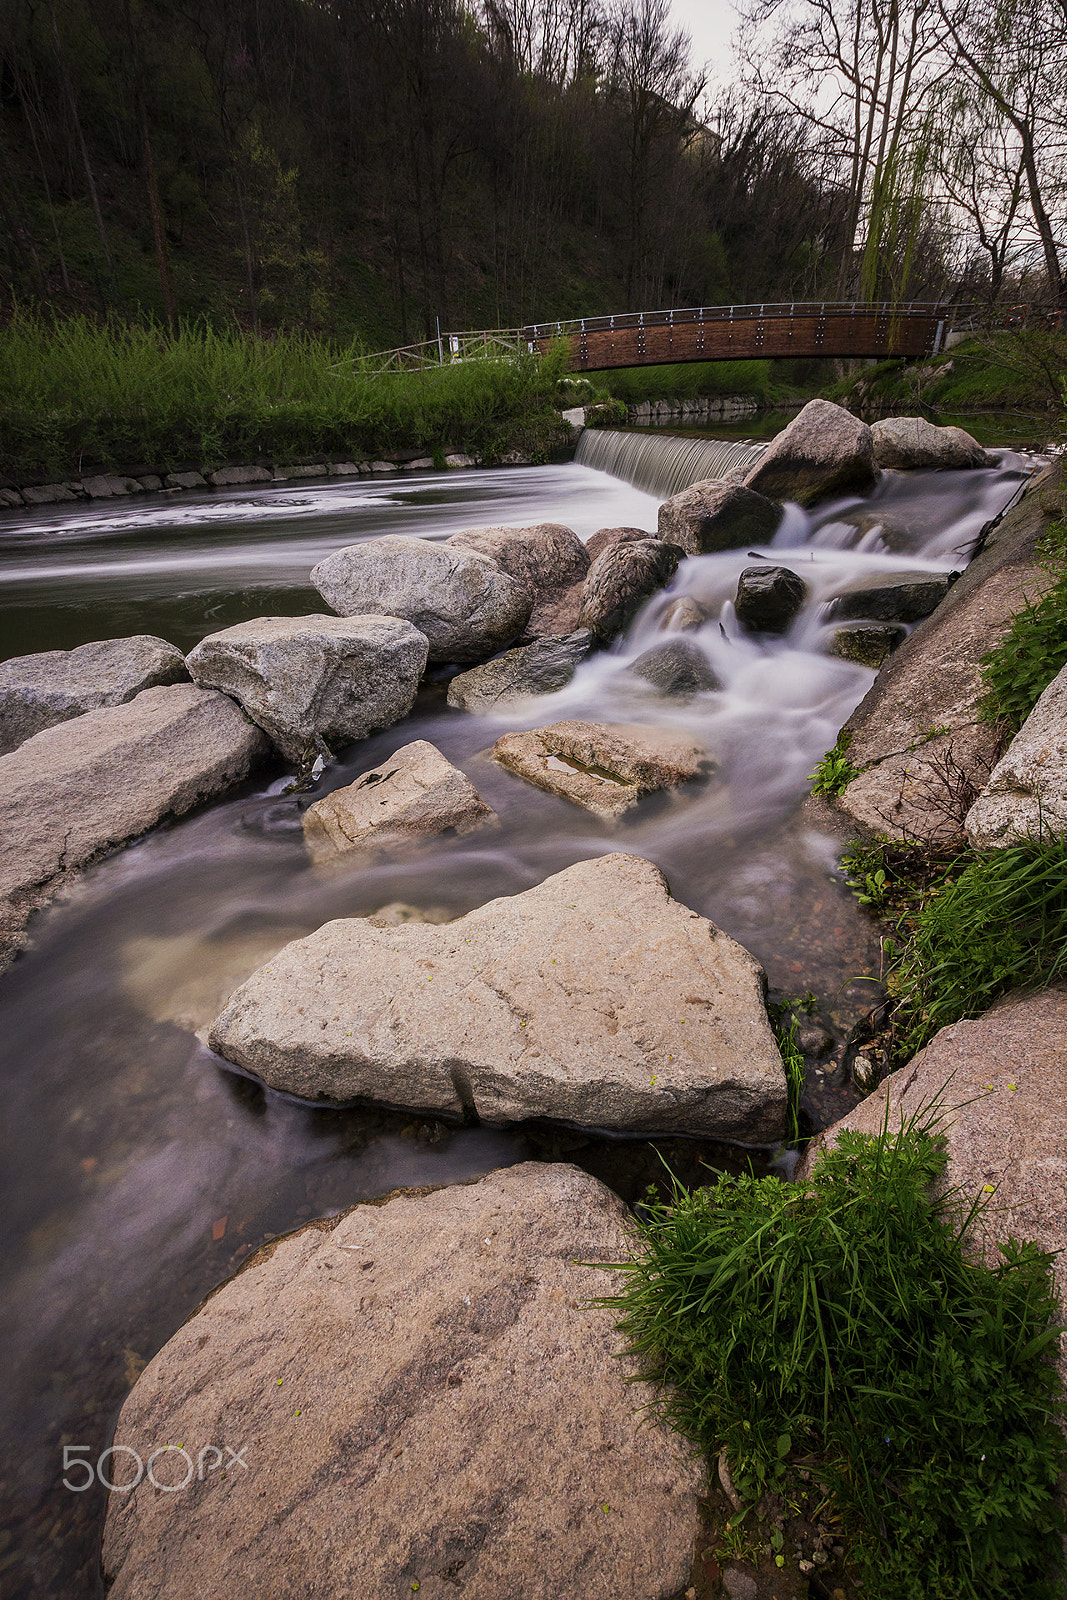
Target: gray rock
867,643
892,597
150,482
383,468
540,668
429,1399
415,793
1002,1086
679,668
605,767
315,683
459,598
1026,796
185,480
75,791
594,998
547,559
768,598
717,515
11,498
317,469
38,691
458,460
908,442
604,538
46,494
683,615
621,580
344,469
824,451
229,477
109,487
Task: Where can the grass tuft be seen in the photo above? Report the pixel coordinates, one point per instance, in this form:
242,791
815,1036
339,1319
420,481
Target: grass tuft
835,771
1018,670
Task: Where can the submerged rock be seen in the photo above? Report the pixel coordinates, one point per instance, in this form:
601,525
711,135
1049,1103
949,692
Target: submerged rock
604,767
867,643
621,580
549,560
459,598
1026,795
594,998
540,668
428,1400
768,598
892,596
679,668
75,791
717,514
683,615
41,690
416,792
909,442
318,682
823,451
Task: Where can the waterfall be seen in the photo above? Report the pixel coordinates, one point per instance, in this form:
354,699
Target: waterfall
662,465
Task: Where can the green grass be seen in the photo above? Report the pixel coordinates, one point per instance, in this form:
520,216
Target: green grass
835,771
840,1322
687,380
80,396
1034,649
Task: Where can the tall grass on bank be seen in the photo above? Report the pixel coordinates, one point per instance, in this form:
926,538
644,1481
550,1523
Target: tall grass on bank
79,396
685,381
840,1321
1023,664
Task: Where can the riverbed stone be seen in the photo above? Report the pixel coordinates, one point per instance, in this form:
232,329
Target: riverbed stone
10,497
594,998
238,477
315,683
718,514
683,615
1001,1085
679,669
605,767
429,1401
620,580
467,607
1026,795
543,667
891,597
40,690
825,450
77,790
415,794
185,480
906,443
548,559
769,598
46,494
866,643
604,538
108,486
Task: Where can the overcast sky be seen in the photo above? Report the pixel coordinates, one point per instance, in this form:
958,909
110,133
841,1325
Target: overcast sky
711,24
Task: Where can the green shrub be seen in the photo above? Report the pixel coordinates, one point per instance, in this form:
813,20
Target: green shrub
1034,649
841,1318
835,771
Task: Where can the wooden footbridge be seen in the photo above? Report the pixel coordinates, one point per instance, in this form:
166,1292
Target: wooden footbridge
697,333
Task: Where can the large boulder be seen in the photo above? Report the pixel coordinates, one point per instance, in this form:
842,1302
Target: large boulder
891,597
620,580
549,560
604,538
769,598
594,998
1000,1087
38,691
73,792
543,667
414,794
606,768
425,1399
467,607
1026,795
717,515
314,683
908,442
679,669
824,451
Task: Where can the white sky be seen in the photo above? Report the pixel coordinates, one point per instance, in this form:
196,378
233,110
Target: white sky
711,23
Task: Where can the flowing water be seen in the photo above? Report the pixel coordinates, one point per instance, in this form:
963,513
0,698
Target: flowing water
138,1170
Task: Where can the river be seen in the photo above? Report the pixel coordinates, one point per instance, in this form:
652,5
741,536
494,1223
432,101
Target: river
138,1169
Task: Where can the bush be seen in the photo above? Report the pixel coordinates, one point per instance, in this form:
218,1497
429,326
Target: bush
1034,649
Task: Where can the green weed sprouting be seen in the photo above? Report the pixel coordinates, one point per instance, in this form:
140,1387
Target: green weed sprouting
785,1024
840,1321
835,771
1034,649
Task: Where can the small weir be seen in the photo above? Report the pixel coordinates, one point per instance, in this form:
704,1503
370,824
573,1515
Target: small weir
662,465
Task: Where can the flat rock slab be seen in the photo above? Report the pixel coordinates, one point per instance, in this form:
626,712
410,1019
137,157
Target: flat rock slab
543,667
1002,1081
593,999
825,450
619,582
867,643
892,597
905,443
428,1403
38,691
605,767
416,793
467,607
1026,795
73,792
718,514
315,682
